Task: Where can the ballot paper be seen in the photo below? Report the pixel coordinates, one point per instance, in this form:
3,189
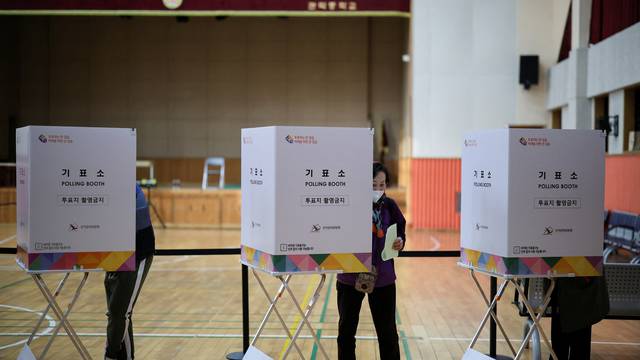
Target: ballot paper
392,235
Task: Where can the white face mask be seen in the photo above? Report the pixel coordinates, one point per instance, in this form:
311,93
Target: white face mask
377,195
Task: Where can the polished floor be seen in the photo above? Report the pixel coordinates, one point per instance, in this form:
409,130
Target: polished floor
190,307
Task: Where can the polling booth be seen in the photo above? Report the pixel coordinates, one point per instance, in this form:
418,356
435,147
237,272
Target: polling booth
532,203
306,209
75,208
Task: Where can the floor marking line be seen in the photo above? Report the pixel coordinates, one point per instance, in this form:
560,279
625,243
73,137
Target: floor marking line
14,283
186,335
46,332
292,328
323,313
7,239
436,243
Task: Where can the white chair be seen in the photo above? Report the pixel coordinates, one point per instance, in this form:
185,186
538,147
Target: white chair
213,166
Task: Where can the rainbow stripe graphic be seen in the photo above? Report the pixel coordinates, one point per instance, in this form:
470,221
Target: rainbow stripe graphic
107,261
346,262
578,265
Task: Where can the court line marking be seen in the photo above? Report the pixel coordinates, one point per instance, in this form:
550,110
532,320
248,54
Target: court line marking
173,260
103,319
186,335
436,243
292,328
323,313
46,332
330,337
7,239
14,283
403,337
503,340
13,267
405,345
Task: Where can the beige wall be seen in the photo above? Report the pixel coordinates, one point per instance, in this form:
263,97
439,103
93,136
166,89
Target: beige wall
190,87
9,97
540,27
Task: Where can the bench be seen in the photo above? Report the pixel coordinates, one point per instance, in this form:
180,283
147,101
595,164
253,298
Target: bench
623,232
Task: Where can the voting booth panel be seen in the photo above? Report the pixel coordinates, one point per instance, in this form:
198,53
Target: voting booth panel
532,201
75,198
306,199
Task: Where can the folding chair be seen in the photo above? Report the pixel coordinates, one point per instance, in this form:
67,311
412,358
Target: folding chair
218,169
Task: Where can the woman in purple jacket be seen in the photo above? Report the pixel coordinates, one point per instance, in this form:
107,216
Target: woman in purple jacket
379,284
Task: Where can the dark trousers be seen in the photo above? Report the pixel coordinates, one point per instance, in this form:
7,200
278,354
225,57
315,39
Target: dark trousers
570,346
122,289
382,302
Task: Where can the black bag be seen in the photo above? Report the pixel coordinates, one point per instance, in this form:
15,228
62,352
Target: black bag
582,302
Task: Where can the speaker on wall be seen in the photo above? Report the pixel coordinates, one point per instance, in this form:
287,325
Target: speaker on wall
528,70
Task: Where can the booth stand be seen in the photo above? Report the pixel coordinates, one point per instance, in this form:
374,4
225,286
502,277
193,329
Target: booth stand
76,212
306,209
304,310
62,316
532,203
534,313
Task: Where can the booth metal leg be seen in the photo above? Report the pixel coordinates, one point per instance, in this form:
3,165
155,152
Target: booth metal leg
66,314
62,316
536,352
492,312
488,313
305,315
46,310
535,317
525,330
273,308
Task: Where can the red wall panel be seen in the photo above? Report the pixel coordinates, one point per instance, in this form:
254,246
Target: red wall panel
434,183
622,183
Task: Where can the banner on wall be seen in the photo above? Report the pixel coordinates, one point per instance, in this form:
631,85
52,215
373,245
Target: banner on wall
75,198
204,6
533,201
306,199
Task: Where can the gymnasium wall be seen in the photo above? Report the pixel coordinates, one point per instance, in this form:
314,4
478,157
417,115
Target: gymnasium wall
8,82
465,66
190,87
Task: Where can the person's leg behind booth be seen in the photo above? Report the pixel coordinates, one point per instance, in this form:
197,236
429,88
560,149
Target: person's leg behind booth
382,302
580,344
349,303
122,289
559,341
118,287
128,339
579,303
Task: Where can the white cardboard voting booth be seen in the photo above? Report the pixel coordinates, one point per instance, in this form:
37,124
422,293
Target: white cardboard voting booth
532,201
306,209
75,198
75,211
532,205
306,199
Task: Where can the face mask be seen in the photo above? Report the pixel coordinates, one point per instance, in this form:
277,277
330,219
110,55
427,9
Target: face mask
377,195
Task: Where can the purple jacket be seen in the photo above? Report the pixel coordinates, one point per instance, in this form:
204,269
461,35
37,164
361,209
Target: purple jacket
390,214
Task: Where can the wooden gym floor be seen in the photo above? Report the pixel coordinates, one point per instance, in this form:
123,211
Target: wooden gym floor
190,307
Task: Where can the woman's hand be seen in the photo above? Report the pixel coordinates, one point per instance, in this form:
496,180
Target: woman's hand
398,244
